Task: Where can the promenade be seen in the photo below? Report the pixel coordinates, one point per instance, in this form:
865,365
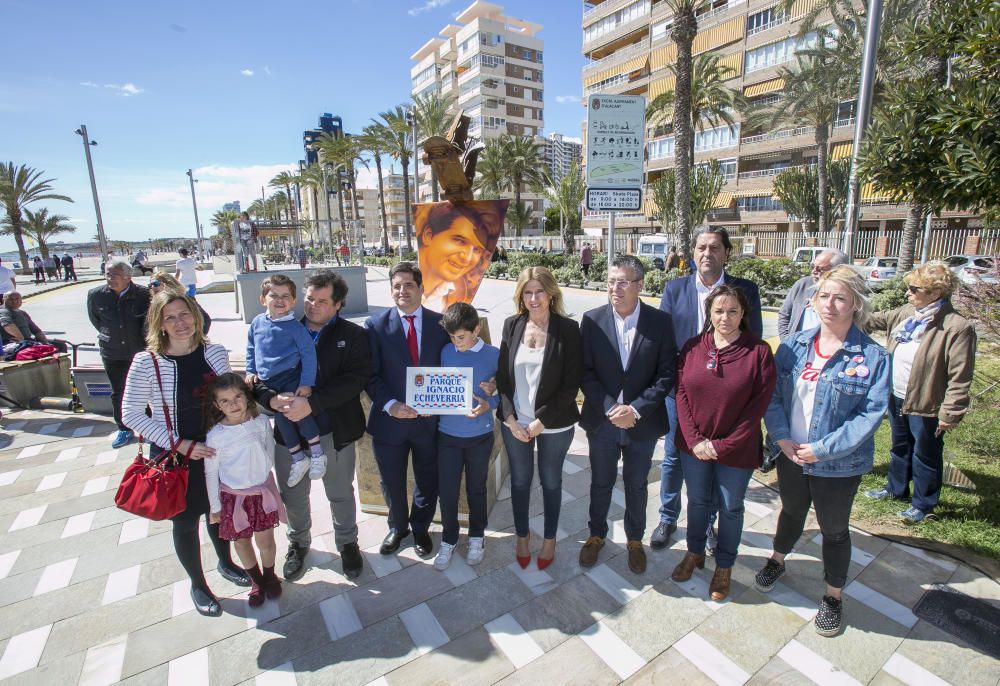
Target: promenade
92,595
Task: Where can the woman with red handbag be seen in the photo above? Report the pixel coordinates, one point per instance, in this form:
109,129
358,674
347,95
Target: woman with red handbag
170,379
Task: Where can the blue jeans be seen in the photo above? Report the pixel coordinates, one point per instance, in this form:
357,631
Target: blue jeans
715,487
672,473
916,454
192,290
471,455
607,444
552,449
292,433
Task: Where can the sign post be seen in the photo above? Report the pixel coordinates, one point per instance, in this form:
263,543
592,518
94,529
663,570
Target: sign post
616,141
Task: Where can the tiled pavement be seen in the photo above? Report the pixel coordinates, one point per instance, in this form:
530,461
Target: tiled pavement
89,594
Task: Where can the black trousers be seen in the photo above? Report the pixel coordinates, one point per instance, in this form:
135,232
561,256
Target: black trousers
832,497
392,463
117,370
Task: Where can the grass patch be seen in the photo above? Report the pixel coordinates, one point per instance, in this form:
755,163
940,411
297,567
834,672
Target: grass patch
967,519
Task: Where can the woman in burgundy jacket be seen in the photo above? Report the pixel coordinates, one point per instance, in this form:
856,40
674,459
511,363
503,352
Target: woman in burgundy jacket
725,378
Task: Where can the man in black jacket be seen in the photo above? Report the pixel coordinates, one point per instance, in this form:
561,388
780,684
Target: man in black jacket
118,312
344,359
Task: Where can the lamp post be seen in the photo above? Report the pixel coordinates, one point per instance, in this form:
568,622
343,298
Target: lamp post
101,238
197,224
411,119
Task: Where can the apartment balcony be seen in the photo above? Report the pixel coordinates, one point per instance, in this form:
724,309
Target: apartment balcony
660,163
785,139
768,173
602,10
639,48
625,30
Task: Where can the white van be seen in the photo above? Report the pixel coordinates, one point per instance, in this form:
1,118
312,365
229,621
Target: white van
655,246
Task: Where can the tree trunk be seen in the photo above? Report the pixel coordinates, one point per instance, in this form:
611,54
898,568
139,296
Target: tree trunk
15,224
354,211
516,182
435,194
822,177
406,198
381,202
908,241
684,30
340,205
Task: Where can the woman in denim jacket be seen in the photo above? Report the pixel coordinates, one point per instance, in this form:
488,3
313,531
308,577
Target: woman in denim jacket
833,390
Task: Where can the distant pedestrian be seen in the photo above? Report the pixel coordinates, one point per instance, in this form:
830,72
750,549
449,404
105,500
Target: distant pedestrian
8,280
58,265
345,253
674,261
187,272
50,267
586,259
39,270
244,234
302,256
68,268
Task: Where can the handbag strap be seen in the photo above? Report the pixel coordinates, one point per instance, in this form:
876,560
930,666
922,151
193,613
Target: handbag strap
163,400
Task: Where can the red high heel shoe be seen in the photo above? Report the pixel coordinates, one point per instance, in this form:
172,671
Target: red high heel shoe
523,560
543,563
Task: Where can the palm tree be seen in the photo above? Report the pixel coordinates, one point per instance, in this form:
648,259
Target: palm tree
712,101
433,119
518,216
525,164
567,195
286,180
371,142
397,141
41,226
344,152
683,32
814,88
19,187
491,173
257,209
312,179
223,220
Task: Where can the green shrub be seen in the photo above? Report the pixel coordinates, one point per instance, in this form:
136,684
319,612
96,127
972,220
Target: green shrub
655,281
892,295
496,270
569,276
770,275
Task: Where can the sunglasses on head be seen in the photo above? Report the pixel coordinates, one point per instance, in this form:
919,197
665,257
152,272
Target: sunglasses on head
155,284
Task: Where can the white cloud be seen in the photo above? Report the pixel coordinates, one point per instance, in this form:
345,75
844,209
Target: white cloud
427,7
246,72
124,89
216,186
568,99
267,70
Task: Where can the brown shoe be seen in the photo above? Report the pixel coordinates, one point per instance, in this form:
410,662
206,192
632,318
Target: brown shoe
636,557
685,570
719,588
589,551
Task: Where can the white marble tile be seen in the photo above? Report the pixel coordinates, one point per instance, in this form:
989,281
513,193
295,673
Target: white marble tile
262,614
51,481
615,652
50,429
897,612
381,681
424,629
7,478
618,496
755,508
570,468
698,587
121,584
537,580
909,672
181,598
794,601
23,651
106,457
537,524
7,561
69,453
616,532
30,451
56,576
942,562
102,665
382,565
78,524
133,530
339,616
711,661
514,642
82,431
15,426
189,670
96,485
282,675
26,518
613,584
815,668
459,571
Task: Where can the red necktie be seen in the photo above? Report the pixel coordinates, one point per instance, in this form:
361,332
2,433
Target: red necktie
411,339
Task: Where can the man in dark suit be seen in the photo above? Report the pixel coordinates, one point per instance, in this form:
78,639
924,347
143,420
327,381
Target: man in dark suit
344,367
629,360
684,300
403,336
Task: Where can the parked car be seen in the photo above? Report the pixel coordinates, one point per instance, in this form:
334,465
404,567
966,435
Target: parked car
877,270
806,254
972,268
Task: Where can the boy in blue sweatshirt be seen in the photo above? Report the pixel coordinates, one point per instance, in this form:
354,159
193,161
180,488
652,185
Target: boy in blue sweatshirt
466,441
282,355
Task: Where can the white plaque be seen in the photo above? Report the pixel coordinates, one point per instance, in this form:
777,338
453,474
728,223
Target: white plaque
439,390
616,131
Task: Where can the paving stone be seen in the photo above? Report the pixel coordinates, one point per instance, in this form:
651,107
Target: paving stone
749,634
404,589
777,672
51,607
469,659
570,663
564,611
899,575
62,671
972,582
949,657
360,658
657,619
474,603
669,667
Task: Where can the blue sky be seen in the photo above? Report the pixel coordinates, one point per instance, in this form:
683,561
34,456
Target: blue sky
225,88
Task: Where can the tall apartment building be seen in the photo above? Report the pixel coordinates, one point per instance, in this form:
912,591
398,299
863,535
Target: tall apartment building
491,64
560,154
629,47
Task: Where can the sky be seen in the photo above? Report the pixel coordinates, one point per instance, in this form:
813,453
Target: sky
225,88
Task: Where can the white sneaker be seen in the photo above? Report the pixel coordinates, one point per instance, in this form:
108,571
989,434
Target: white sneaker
298,471
477,547
317,466
443,558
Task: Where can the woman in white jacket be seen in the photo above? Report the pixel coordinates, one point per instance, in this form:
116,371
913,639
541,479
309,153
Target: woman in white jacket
186,362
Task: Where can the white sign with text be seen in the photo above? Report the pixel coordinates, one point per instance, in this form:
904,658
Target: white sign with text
616,131
439,390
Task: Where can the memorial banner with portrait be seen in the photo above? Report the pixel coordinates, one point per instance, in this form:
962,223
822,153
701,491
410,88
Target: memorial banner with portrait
455,243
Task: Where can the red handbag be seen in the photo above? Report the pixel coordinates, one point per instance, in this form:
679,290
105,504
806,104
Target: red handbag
156,487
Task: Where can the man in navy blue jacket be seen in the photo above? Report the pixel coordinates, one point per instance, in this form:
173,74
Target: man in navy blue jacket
684,299
403,336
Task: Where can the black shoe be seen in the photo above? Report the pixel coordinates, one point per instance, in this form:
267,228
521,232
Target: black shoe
711,542
390,543
831,614
423,544
350,557
661,535
295,562
766,578
205,603
234,574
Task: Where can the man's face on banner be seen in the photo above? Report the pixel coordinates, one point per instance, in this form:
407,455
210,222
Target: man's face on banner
453,251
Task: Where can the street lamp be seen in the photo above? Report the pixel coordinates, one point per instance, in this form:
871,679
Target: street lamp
411,119
197,225
101,238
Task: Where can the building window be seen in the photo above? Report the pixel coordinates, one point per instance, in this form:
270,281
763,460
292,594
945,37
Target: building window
765,19
613,21
763,203
424,74
727,167
661,29
662,148
777,53
714,139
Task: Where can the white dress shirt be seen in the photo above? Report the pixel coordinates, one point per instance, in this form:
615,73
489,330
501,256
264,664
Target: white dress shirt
244,456
703,293
625,332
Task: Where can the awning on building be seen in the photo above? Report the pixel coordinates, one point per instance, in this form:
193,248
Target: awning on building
802,7
870,192
626,67
661,57
717,36
763,88
661,86
758,193
841,151
723,200
734,62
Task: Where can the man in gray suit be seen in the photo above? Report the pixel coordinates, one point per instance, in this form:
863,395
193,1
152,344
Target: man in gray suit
795,313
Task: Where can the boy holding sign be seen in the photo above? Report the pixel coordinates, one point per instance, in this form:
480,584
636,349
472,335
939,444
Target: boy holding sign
465,442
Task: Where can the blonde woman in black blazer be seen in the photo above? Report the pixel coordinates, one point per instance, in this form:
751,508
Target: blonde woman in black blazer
538,377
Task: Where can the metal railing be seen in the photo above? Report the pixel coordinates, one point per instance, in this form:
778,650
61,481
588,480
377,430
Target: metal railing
847,121
769,25
763,173
637,49
776,135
